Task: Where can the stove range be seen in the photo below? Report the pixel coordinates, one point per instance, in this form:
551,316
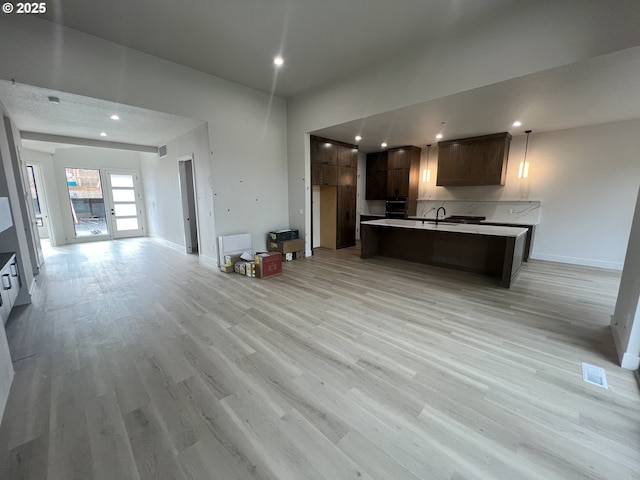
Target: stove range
464,219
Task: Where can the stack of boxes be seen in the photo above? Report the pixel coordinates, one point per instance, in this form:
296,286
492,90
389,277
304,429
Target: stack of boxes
263,265
283,245
287,243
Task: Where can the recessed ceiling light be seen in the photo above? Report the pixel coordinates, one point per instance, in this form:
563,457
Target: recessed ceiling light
55,100
439,136
278,60
114,117
358,138
517,124
383,145
103,134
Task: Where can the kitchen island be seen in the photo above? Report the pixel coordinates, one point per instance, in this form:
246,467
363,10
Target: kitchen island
491,250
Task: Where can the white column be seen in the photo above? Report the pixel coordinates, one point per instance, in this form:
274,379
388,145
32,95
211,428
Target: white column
625,323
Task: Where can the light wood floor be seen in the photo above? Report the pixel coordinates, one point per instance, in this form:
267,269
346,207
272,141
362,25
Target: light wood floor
136,362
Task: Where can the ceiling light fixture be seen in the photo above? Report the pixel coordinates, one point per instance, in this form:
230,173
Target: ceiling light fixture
523,171
383,145
278,60
439,136
103,134
426,175
114,117
517,123
358,138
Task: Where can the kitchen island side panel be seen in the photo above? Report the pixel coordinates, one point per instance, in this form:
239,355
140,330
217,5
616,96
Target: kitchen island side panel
491,255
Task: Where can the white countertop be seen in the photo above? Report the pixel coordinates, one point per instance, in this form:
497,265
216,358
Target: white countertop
443,226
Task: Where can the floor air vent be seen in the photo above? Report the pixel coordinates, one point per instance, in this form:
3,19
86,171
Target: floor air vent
594,375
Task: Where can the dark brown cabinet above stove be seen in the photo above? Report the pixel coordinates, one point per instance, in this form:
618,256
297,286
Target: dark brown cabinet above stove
376,178
394,173
473,161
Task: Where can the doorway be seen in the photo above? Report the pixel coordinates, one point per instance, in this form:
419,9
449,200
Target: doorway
90,203
86,198
39,201
188,197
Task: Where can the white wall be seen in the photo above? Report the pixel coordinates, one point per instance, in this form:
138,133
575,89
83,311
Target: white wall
162,190
247,166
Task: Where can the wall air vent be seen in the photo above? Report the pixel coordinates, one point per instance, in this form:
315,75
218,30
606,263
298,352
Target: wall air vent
162,151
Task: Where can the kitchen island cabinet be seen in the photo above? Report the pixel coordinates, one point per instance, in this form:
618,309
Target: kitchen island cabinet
489,250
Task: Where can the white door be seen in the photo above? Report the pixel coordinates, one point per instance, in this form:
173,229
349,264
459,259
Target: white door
125,204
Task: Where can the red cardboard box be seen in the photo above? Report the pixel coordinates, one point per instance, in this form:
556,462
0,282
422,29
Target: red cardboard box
268,264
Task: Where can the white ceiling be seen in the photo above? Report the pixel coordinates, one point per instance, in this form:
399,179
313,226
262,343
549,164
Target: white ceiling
86,118
322,41
595,91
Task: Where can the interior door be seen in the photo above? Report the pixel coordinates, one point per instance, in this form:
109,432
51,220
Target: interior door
125,200
188,196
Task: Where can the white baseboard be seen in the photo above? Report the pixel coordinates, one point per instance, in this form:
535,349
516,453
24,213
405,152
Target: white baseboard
627,360
204,259
630,362
209,261
586,262
167,243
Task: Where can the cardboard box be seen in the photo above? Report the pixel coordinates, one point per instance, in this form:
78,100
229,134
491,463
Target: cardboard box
287,257
268,264
245,268
232,259
288,246
282,235
227,268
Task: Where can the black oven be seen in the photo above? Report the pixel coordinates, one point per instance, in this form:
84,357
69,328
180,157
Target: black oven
396,207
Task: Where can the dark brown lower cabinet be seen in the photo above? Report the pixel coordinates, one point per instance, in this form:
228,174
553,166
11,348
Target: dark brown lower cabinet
346,217
337,216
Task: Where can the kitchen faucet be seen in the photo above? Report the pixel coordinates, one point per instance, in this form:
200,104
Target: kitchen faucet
444,212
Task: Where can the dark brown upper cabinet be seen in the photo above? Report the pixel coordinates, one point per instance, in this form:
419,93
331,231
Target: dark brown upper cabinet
323,151
347,156
473,161
376,177
333,163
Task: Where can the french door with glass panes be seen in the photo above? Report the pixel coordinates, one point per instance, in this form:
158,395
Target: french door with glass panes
126,216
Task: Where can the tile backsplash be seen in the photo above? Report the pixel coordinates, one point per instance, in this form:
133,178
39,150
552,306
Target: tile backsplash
524,212
373,207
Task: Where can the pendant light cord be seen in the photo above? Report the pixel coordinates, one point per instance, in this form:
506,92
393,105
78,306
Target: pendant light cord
526,145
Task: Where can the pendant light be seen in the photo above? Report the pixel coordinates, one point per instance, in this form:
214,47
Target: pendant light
523,171
426,175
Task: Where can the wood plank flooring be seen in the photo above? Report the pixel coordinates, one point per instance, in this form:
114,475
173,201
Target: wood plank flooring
136,362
